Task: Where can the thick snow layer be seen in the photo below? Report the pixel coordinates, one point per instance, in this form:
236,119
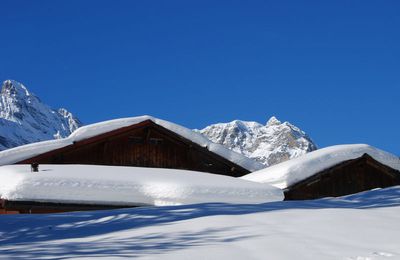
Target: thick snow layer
363,226
113,185
290,172
26,151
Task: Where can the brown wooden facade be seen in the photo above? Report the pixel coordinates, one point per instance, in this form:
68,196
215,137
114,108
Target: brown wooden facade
35,207
145,144
349,177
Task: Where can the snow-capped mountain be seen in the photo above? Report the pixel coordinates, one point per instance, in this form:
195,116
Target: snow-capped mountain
269,144
25,119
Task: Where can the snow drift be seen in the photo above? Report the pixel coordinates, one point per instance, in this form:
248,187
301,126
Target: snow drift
131,186
362,226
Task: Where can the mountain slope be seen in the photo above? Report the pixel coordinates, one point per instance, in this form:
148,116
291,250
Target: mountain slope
25,119
269,144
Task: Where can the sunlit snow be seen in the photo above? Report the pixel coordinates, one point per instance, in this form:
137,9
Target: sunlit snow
116,185
357,227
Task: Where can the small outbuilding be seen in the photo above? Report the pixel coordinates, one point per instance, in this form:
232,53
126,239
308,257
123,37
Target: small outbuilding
61,188
142,141
332,172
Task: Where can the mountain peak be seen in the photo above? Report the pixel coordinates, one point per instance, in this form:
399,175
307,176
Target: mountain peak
242,125
264,143
273,121
25,119
13,88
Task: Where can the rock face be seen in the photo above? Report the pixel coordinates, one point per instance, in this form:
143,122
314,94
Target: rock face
269,144
25,119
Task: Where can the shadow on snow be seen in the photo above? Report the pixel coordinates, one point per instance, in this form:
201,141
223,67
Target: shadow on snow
20,234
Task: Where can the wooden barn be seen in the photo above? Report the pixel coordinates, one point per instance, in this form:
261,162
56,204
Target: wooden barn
141,142
332,172
134,142
348,177
61,188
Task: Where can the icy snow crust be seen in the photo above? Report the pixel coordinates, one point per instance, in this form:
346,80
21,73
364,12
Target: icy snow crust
27,151
293,171
115,185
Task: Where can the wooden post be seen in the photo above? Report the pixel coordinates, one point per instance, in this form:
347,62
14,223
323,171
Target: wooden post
34,167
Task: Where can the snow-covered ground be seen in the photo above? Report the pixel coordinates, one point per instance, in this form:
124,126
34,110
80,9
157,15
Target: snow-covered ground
116,185
359,227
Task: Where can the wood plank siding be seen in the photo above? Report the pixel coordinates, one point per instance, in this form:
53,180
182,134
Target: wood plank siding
35,207
143,145
349,177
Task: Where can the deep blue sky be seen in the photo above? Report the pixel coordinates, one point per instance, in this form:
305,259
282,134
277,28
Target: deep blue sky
330,67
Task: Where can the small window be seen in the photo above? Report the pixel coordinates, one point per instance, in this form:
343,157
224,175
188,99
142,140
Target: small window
208,164
155,141
136,140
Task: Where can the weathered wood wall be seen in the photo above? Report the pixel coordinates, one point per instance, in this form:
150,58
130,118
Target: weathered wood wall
346,178
147,145
35,207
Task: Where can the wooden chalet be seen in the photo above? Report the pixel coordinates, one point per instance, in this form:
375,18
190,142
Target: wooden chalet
138,142
145,144
348,177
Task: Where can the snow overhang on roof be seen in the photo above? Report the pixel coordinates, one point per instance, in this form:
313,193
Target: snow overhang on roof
129,186
286,174
21,153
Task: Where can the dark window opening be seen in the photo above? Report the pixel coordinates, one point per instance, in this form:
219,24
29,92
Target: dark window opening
136,140
155,141
208,164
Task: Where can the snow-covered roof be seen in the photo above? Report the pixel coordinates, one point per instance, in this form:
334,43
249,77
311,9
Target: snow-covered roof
117,185
295,170
30,150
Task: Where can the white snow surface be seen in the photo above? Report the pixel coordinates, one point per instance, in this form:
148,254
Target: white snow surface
295,170
26,151
362,226
116,185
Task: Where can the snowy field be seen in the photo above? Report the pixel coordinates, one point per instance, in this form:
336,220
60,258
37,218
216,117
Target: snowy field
359,227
